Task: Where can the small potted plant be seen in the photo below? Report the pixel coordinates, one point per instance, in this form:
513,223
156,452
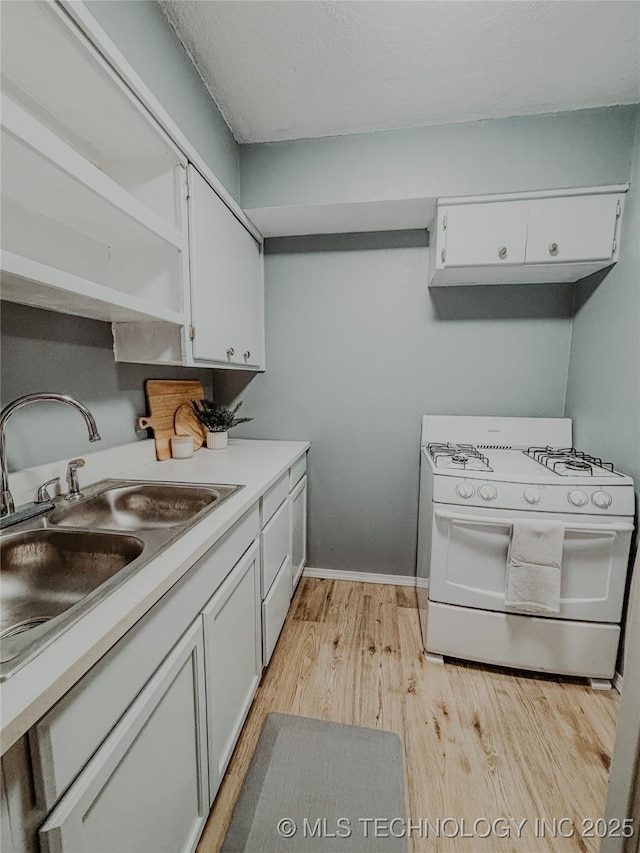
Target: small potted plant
217,420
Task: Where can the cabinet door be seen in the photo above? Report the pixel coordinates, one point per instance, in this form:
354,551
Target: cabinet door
578,228
275,546
146,787
274,610
233,659
298,509
249,300
485,234
226,281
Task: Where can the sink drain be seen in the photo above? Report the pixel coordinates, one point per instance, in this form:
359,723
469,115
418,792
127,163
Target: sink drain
20,627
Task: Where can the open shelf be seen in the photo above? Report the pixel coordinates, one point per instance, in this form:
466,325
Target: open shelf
47,175
82,101
31,283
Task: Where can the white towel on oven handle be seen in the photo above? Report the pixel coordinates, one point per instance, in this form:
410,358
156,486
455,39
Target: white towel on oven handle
534,567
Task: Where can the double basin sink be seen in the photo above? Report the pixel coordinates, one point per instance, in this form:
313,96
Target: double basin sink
57,566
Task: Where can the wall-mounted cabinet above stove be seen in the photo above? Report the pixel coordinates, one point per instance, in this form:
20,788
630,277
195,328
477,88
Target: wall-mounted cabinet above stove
545,236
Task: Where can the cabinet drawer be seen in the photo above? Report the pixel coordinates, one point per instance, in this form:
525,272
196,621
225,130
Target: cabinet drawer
274,610
275,546
69,734
272,499
146,788
297,472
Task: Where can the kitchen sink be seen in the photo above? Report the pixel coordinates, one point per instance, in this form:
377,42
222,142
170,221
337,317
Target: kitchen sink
140,506
44,572
59,565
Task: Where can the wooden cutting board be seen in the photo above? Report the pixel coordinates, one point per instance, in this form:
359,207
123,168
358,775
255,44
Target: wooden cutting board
164,398
186,423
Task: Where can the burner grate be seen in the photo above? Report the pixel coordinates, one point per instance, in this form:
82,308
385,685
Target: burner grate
463,456
565,461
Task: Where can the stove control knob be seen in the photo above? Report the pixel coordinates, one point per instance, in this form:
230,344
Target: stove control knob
532,496
578,498
465,490
601,499
487,493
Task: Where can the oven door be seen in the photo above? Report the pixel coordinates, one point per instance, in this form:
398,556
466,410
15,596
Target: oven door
469,560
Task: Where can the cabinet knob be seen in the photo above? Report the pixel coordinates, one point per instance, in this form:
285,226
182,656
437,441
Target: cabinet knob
231,352
553,249
502,252
247,354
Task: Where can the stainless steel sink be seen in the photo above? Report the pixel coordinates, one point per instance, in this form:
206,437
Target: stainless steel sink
59,565
45,572
140,506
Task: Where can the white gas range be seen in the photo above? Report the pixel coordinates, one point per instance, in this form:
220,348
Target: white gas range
479,477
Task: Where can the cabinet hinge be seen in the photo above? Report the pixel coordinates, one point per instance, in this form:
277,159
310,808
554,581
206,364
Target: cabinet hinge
192,333
615,246
444,222
443,255
618,210
187,193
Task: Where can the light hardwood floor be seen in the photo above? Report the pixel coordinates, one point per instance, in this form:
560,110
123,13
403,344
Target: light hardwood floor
480,742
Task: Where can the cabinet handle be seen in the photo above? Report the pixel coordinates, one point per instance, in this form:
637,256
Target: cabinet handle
247,354
553,249
502,252
231,352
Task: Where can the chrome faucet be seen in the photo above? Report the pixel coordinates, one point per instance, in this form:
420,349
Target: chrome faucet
7,506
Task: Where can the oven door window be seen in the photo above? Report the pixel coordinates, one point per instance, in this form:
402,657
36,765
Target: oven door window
469,561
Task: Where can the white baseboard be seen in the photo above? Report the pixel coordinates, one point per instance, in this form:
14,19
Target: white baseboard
362,577
617,681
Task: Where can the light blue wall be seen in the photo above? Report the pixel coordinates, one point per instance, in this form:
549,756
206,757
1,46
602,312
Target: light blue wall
583,148
358,349
143,34
603,393
45,351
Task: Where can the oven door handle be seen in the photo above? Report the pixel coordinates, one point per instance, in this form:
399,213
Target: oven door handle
619,527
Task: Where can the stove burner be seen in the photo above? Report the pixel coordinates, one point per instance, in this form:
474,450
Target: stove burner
565,461
460,458
464,456
577,465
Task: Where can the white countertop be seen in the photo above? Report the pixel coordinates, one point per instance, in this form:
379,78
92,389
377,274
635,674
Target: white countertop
39,684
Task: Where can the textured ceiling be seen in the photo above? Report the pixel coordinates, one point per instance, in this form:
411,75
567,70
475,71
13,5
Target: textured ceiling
283,69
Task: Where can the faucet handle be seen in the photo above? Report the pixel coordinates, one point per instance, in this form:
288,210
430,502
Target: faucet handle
42,495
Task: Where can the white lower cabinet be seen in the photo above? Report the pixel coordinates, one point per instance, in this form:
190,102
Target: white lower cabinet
146,788
298,525
275,608
131,758
233,660
275,545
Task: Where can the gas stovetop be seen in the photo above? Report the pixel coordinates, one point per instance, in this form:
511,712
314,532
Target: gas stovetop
569,462
459,457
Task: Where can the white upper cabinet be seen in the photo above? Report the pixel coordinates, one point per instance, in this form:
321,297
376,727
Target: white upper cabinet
579,228
535,237
481,234
226,282
93,191
95,219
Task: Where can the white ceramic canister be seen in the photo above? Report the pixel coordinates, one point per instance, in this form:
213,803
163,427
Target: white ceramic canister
181,446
